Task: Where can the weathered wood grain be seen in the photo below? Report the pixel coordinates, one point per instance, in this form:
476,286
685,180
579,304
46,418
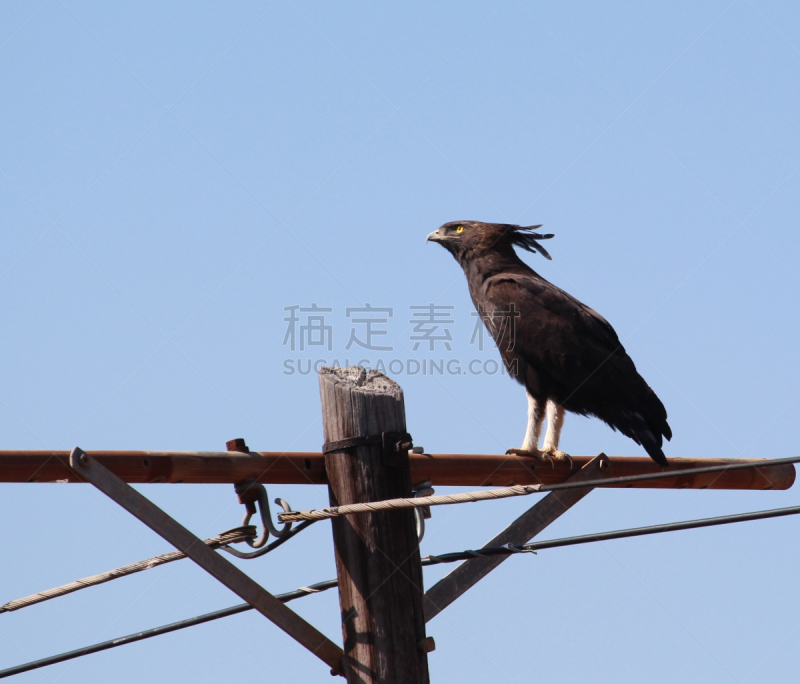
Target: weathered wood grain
377,554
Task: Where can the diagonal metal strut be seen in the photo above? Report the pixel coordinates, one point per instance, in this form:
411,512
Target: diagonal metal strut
521,531
220,568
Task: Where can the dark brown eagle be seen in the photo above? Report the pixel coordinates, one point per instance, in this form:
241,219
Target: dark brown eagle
565,354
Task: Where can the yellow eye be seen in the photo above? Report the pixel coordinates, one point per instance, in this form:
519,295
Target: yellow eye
460,229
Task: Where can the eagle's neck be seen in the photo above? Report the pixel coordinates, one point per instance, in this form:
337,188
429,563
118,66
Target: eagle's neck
479,268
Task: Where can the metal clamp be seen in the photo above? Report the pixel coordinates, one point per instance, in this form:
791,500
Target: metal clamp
394,445
255,498
423,488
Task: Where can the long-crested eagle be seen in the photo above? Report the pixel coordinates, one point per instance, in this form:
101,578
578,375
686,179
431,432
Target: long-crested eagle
566,355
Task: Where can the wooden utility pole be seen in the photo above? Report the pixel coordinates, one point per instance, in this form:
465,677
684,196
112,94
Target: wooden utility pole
377,554
366,461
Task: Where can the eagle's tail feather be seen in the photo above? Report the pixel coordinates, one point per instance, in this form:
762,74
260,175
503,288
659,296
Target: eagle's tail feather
653,449
649,436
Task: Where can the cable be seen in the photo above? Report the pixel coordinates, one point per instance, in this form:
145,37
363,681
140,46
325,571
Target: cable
428,560
270,547
605,536
516,490
165,629
237,534
233,536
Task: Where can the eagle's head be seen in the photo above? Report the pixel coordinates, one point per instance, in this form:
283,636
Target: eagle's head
467,240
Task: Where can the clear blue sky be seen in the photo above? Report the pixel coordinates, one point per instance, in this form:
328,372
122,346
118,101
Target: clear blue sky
173,176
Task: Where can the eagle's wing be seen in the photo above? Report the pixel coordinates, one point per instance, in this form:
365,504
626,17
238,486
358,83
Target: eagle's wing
547,327
567,348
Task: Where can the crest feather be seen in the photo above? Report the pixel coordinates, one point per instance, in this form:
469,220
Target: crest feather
527,238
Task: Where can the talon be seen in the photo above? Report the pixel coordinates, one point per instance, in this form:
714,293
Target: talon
561,456
543,456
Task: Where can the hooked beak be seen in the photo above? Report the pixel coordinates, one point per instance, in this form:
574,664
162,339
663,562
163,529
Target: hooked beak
435,236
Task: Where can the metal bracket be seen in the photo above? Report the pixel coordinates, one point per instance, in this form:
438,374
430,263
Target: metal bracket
255,498
423,488
218,567
395,449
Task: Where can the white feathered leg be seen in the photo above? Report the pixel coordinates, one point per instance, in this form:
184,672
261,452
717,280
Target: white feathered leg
530,445
534,429
555,421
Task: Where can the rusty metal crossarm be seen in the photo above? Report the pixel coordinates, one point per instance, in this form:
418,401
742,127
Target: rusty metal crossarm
452,470
218,567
